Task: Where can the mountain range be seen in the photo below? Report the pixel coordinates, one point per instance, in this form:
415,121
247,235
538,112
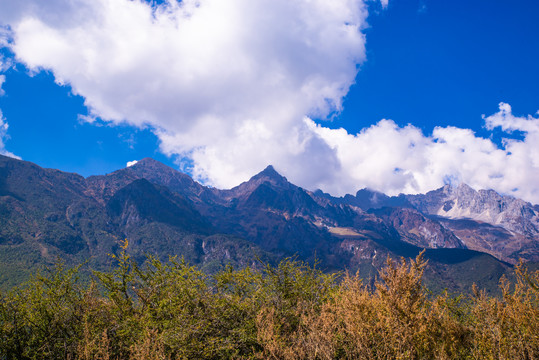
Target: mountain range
469,236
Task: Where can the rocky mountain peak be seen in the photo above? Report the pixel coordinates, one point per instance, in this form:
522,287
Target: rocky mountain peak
269,174
148,164
464,202
148,161
367,198
159,173
463,188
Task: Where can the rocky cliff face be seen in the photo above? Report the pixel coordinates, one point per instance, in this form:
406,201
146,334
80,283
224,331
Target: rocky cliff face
419,230
484,220
488,206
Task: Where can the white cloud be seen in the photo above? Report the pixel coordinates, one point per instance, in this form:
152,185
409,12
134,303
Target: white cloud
510,123
5,63
228,83
131,163
214,62
5,35
392,159
4,136
2,80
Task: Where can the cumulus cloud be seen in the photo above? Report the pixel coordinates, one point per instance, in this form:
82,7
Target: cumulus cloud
214,78
213,62
131,163
508,122
396,159
232,85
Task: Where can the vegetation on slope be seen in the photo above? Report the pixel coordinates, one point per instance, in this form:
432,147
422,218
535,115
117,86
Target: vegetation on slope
292,311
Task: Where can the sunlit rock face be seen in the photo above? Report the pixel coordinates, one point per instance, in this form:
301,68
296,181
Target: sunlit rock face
463,202
501,225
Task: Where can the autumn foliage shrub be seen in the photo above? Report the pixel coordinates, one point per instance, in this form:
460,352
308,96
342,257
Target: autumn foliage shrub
171,310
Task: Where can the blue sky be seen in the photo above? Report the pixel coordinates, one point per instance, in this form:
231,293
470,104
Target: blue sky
438,63
221,101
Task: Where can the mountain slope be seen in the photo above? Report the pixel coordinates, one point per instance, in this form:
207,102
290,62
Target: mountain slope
484,220
47,214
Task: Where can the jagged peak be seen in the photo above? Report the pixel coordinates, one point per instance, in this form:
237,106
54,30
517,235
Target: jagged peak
463,187
369,192
319,192
148,161
449,189
151,167
269,173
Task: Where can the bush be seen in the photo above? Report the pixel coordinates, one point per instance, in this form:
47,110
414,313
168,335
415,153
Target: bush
292,311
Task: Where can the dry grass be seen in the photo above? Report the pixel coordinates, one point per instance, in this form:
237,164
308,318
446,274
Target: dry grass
343,231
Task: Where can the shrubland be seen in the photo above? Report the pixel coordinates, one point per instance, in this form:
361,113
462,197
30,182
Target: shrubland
171,310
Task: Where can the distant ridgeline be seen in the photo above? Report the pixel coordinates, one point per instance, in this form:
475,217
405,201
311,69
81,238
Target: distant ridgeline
469,236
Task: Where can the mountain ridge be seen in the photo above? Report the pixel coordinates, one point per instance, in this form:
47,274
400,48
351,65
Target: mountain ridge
159,209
